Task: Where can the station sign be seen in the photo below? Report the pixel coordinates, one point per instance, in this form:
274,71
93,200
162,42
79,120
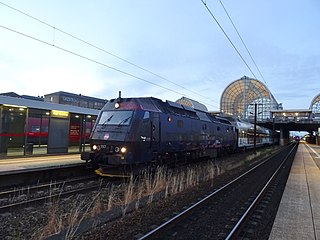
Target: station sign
59,114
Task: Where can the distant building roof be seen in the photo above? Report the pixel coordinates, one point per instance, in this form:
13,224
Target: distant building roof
75,95
10,94
13,94
41,99
192,103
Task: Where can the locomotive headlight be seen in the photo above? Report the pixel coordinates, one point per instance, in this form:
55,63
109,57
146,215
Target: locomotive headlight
123,150
96,147
117,149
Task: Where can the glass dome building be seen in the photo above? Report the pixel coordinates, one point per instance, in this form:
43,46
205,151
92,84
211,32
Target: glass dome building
239,99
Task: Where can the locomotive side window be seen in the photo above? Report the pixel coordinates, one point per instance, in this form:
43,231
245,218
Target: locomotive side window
204,127
180,124
144,127
218,128
146,116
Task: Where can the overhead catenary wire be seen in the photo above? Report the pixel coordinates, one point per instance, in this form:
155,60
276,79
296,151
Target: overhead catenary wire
226,35
105,51
234,26
97,62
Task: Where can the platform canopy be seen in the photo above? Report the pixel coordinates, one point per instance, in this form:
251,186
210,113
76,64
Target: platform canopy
239,99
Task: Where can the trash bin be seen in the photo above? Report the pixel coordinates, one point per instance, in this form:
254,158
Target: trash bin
29,148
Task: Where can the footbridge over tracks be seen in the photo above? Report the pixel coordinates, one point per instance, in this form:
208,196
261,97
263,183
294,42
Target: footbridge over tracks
292,120
250,99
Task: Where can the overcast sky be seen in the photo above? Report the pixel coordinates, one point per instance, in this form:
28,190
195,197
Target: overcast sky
182,48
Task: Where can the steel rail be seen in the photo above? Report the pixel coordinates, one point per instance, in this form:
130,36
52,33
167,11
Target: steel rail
5,193
256,200
49,197
180,215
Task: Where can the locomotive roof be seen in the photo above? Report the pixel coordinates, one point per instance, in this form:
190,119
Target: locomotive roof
157,105
147,103
150,104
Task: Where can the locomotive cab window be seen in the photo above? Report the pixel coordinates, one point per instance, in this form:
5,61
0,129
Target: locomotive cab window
115,118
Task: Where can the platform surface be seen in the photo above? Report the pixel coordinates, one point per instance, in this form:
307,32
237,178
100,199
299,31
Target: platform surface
25,163
298,216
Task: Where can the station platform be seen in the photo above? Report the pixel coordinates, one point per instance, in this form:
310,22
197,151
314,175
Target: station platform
298,216
23,164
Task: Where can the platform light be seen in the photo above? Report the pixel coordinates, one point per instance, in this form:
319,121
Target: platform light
15,106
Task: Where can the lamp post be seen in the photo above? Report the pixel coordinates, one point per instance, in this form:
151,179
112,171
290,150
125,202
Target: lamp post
273,128
255,129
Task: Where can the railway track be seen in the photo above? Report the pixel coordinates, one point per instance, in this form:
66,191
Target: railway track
240,209
28,195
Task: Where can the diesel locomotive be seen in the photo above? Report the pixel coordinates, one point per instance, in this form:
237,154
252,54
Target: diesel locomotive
134,133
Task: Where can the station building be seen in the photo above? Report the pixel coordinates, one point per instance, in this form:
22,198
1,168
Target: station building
33,125
239,98
251,100
78,100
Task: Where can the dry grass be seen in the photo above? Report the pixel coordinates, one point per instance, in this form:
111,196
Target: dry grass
161,180
148,184
54,224
111,198
58,221
98,207
76,216
128,195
